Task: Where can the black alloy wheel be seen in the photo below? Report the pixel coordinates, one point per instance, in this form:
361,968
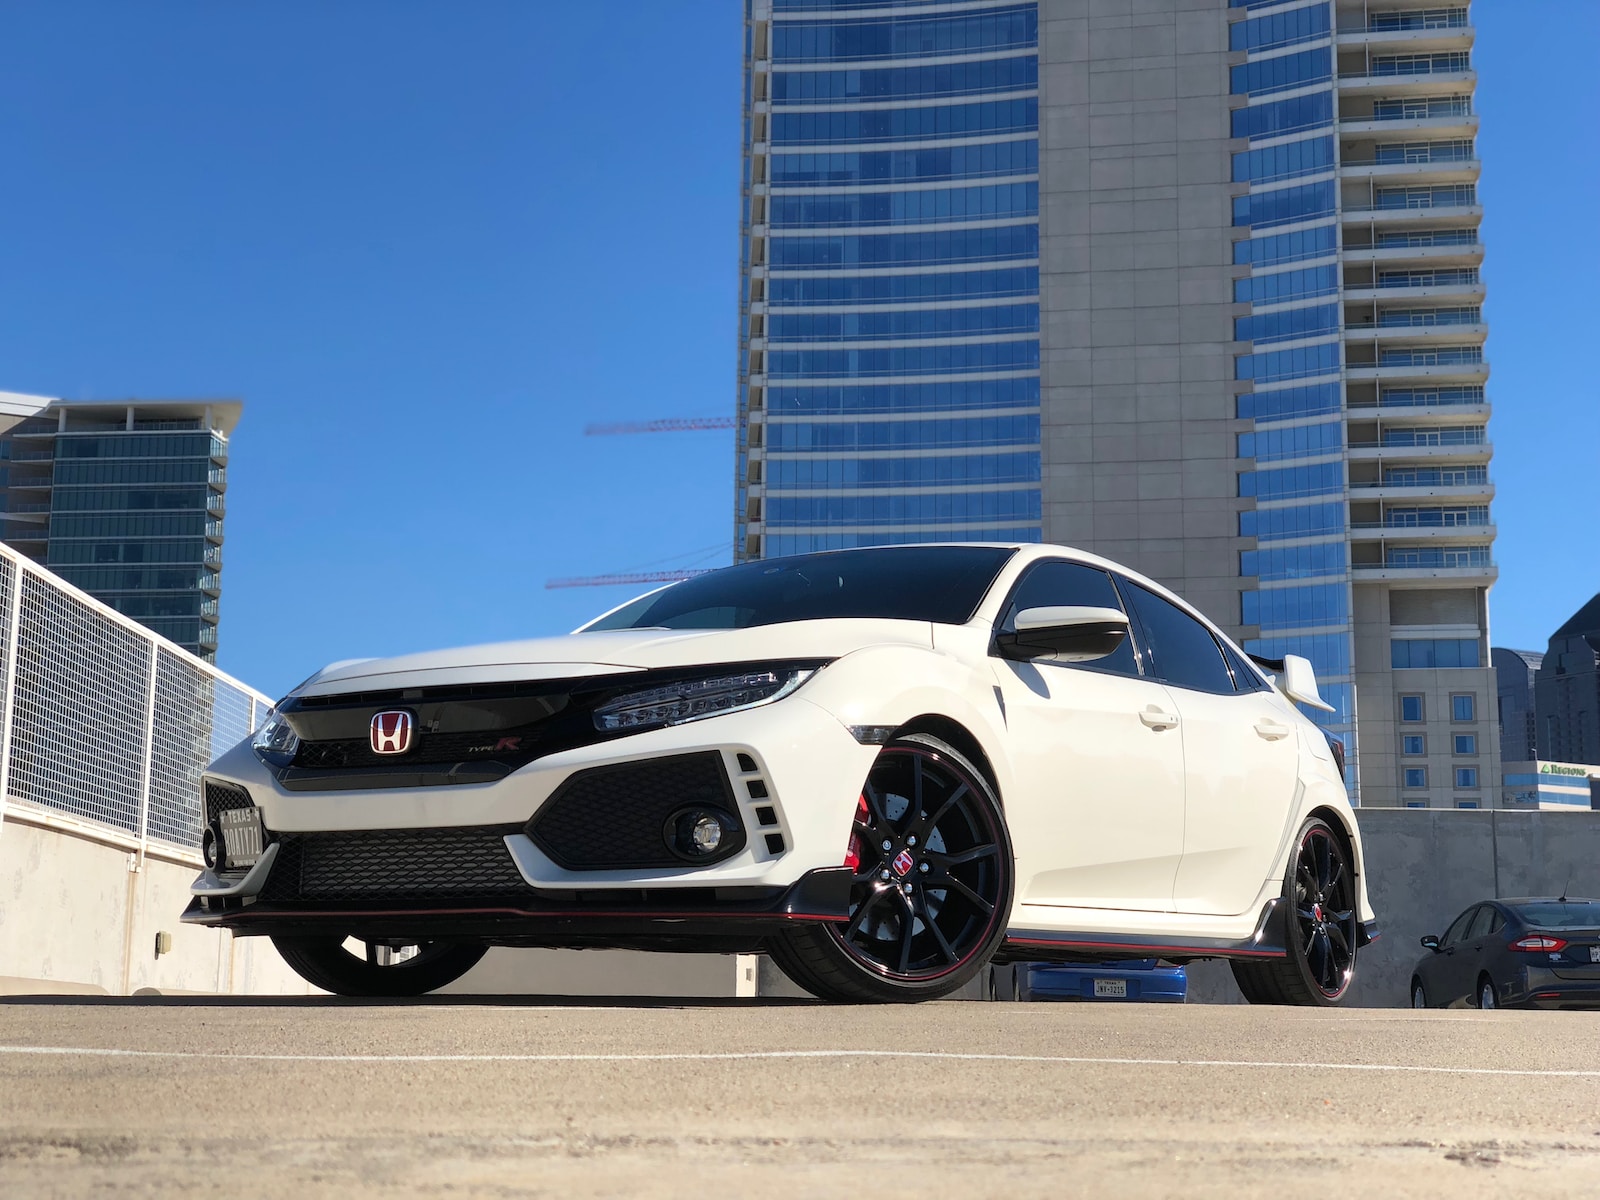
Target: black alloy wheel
1319,893
933,884
382,968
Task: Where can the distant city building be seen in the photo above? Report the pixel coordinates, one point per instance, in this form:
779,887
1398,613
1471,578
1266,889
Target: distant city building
1193,284
1513,674
124,500
1567,689
1551,785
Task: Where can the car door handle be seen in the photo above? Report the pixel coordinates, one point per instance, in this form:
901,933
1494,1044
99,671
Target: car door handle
1158,718
1271,730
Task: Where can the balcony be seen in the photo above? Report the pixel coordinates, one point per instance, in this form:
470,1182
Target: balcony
1473,487
1417,286
1440,254
1368,531
1408,170
1393,452
1414,214
1366,82
1456,125
1380,332
1384,572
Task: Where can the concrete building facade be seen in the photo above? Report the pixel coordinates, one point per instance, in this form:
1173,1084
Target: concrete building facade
124,500
1257,328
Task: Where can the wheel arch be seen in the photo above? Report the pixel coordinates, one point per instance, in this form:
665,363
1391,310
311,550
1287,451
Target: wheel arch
947,729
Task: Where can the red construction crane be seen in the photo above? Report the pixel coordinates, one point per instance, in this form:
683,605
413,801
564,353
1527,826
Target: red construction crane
664,425
578,581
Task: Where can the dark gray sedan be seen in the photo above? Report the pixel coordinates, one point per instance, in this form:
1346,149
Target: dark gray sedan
1527,953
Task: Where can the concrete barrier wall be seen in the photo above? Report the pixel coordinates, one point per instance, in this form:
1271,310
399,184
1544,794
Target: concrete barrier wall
1425,866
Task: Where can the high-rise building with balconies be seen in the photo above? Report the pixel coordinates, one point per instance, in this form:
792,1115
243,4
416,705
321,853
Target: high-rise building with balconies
1190,283
124,500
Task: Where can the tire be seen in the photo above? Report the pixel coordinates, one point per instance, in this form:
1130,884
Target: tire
1319,895
1419,996
325,963
1487,997
928,912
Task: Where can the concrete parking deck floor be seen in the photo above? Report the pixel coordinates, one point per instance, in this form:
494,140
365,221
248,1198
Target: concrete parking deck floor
761,1098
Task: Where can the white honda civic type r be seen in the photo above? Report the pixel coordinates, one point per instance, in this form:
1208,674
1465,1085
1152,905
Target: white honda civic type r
884,767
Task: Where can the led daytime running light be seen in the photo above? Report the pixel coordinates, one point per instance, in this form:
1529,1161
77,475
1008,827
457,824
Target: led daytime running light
695,699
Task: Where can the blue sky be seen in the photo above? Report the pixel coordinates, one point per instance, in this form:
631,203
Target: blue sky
427,243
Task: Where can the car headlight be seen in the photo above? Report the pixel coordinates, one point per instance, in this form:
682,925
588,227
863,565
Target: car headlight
694,699
276,740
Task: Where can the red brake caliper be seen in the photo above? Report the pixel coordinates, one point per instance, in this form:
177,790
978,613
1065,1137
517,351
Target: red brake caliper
852,855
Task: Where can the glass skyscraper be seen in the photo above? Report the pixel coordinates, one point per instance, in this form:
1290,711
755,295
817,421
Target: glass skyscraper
125,501
1193,284
890,306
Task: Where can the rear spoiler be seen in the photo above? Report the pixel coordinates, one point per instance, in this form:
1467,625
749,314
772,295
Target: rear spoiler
1295,678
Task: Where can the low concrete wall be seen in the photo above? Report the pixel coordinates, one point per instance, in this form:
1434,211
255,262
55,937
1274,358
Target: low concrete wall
1424,866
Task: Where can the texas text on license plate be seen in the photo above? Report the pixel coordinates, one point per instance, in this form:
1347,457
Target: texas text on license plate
1110,987
241,836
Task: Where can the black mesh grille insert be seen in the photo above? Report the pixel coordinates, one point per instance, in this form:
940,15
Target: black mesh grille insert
610,818
394,864
223,797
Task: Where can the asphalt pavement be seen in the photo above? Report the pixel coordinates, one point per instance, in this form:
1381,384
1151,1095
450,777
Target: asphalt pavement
327,1098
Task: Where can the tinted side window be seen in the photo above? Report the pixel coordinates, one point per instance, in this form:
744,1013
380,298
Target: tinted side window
1481,924
1458,928
1056,583
1180,649
1244,678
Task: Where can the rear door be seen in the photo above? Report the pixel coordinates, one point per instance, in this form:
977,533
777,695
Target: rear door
1098,761
1454,967
1241,760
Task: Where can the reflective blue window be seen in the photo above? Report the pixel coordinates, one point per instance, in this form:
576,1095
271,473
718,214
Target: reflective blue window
1295,562
1287,285
1413,743
1421,64
1430,237
1279,29
1286,247
1284,204
1463,708
1433,653
1448,195
1287,324
895,509
1308,401
845,539
1016,74
907,249
1299,441
1328,652
1434,476
1405,397
904,124
1302,520
1283,483
1281,73
906,208
947,396
1020,429
1436,556
904,360
871,289
922,471
1414,777
1283,116
1431,356
937,322
1288,364
1466,777
927,165
1303,607
958,33
1285,161
1411,710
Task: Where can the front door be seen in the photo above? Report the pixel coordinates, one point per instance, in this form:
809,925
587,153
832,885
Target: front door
1098,761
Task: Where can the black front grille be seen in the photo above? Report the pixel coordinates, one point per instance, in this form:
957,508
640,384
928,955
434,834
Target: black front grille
394,864
610,818
224,797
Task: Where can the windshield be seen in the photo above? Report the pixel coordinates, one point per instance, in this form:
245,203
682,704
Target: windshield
1561,914
942,584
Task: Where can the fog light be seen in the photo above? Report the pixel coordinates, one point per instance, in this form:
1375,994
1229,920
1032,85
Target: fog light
701,834
211,849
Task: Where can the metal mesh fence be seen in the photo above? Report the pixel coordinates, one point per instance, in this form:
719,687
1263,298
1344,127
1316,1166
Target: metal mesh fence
93,732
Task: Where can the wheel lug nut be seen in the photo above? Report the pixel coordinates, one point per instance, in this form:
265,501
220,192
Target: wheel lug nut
923,867
887,844
912,840
906,888
884,875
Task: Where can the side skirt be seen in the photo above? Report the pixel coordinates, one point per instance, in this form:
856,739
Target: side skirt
1034,945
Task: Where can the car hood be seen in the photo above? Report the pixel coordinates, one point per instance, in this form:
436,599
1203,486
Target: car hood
613,652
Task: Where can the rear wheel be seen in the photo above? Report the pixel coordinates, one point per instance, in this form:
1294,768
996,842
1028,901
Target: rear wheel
1319,893
1486,993
933,884
1419,998
349,967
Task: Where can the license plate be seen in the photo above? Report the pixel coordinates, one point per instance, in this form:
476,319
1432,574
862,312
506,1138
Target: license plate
1594,953
241,837
1110,988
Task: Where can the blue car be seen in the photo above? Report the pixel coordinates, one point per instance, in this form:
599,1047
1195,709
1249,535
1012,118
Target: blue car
1146,979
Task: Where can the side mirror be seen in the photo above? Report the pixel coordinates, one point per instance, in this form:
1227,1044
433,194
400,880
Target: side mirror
1300,683
1069,634
1430,942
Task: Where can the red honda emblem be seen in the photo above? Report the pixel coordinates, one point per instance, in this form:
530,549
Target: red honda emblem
903,862
391,732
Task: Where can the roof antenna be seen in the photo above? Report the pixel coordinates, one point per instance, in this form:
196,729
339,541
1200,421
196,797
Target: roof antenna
1564,888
